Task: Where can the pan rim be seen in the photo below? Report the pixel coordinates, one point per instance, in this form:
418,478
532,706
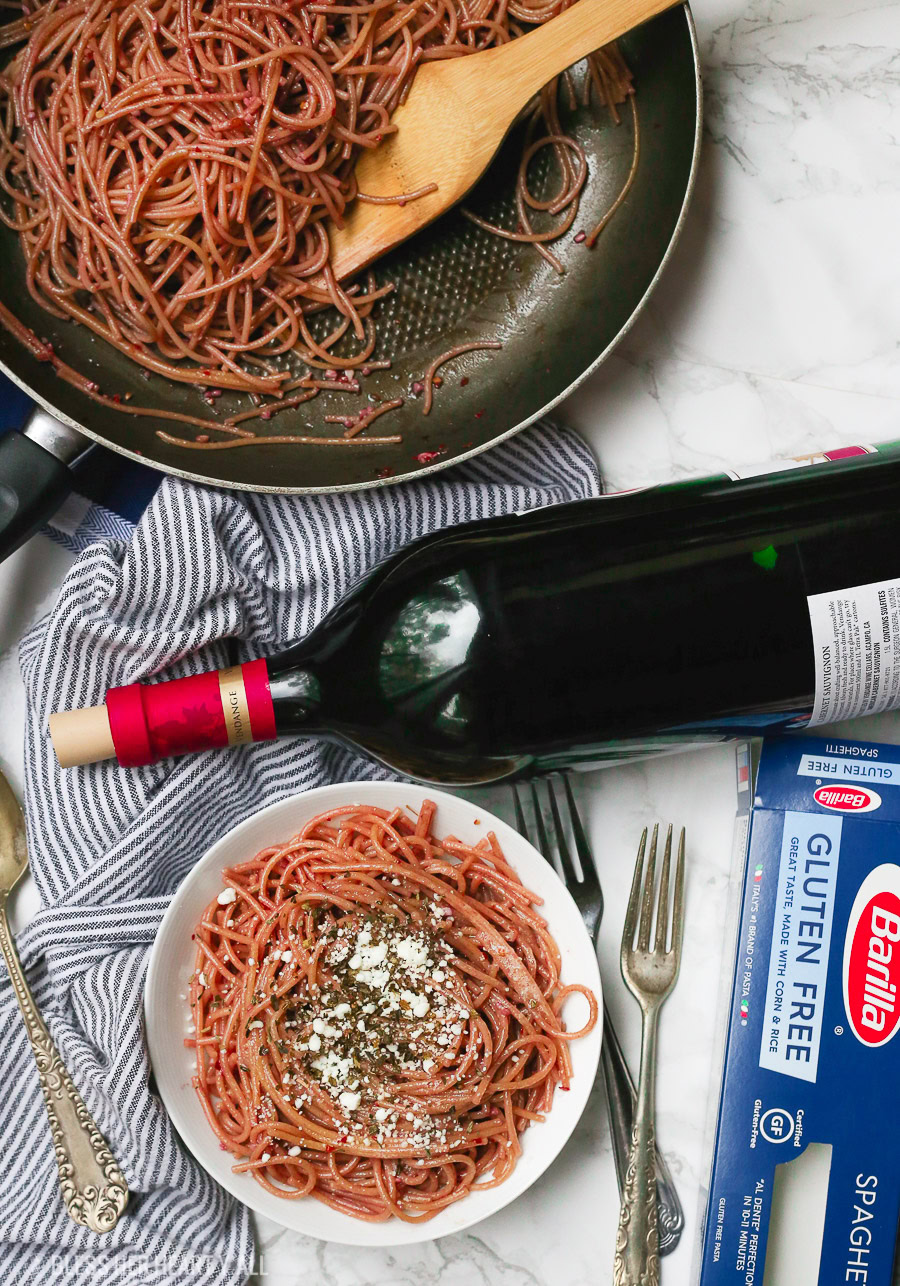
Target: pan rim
422,471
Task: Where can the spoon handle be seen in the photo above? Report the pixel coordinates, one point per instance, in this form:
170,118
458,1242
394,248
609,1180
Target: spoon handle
516,70
93,1187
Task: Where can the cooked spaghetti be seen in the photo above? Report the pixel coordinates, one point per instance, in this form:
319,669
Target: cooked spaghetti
377,1015
172,167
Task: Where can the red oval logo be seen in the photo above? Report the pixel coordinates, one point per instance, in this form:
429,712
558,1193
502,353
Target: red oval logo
847,799
872,969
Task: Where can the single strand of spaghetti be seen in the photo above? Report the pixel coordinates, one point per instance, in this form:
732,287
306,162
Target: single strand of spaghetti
331,386
577,988
626,188
281,439
365,421
270,408
446,357
291,1193
569,187
400,198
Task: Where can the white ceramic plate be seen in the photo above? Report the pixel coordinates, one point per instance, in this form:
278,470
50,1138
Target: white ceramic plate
167,1015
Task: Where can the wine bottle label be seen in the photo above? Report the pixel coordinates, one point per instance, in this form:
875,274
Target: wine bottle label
235,706
856,641
797,462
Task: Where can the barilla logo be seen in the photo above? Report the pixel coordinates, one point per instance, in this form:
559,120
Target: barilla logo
848,799
872,957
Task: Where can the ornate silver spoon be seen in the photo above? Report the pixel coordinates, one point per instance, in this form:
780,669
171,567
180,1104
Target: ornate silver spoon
93,1187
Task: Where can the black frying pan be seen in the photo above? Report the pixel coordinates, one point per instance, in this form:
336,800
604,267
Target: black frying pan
455,284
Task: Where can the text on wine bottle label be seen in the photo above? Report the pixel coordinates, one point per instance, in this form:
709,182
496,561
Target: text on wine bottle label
856,642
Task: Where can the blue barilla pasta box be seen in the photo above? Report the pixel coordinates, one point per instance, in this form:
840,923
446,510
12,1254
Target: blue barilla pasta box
811,1080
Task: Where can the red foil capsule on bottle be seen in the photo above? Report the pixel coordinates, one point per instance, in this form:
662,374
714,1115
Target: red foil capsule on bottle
206,711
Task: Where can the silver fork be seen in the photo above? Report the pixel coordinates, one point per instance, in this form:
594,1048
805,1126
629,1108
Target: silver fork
621,1095
650,974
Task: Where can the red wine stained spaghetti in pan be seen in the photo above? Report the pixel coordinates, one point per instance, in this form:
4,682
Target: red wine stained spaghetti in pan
377,1015
171,168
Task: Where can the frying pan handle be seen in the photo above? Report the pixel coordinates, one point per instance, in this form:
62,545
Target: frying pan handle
34,476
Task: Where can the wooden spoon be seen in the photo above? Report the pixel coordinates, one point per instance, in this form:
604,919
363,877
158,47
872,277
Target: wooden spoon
455,118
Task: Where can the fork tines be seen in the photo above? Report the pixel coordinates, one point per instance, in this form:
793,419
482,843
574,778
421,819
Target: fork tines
649,899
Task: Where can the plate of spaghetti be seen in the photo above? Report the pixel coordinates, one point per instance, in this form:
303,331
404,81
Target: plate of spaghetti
372,1013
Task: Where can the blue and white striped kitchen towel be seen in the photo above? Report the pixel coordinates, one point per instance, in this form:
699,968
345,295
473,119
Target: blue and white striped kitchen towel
204,579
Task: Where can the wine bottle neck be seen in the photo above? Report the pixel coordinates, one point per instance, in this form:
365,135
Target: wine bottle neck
296,697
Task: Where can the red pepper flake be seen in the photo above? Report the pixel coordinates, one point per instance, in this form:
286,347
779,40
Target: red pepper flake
330,374
386,472
479,414
418,388
365,370
44,352
579,237
464,381
426,457
117,397
92,386
265,415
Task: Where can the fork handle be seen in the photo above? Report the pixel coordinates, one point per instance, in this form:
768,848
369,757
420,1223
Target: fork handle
92,1185
637,1240
621,1098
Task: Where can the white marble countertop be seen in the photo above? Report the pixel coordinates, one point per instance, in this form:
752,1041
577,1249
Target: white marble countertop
774,332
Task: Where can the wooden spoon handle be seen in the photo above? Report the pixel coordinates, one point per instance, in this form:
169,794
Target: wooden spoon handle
525,65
